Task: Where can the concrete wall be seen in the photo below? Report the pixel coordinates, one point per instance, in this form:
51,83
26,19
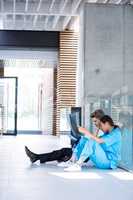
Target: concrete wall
103,49
128,70
108,49
108,68
80,66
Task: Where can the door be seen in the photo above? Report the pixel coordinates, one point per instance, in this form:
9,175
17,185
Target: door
8,105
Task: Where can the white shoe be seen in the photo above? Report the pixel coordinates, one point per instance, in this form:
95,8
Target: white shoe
65,164
73,168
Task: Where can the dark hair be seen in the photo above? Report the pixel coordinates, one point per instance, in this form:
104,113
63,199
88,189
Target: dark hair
107,118
97,114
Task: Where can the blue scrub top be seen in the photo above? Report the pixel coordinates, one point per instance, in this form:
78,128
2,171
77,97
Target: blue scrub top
112,146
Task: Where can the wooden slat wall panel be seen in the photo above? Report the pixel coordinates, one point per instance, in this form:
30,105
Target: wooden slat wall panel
1,68
55,102
66,73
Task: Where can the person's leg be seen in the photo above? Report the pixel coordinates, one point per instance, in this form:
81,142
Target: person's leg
99,157
63,154
94,151
79,147
60,155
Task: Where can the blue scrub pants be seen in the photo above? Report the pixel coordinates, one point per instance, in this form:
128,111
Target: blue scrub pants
90,148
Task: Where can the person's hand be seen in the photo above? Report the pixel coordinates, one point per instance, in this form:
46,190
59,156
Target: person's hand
81,129
84,131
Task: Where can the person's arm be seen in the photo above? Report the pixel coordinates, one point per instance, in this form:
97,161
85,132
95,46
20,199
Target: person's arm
90,135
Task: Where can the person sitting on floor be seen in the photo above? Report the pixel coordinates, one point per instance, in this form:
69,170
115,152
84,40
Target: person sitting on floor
104,151
66,154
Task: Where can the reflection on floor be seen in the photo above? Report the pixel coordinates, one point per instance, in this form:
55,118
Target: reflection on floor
19,180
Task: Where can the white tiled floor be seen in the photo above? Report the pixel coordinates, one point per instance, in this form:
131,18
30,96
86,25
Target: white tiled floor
19,180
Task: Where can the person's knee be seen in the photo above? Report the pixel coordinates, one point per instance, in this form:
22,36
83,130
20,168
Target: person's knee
67,151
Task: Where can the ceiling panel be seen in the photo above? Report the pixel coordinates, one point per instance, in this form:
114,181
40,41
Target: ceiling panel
43,14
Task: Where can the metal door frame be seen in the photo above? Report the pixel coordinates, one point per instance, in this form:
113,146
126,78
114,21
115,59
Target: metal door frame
16,102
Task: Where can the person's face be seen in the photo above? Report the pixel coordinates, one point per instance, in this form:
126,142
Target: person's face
105,127
96,122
